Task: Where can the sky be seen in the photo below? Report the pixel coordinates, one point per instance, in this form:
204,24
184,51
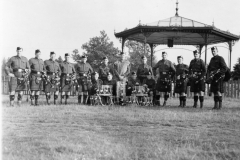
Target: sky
64,25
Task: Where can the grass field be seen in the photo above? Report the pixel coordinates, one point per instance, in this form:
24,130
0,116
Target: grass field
97,132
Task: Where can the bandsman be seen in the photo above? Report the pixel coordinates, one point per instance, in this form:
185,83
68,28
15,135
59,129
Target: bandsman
217,69
105,69
166,74
67,78
144,69
52,82
36,76
150,83
181,81
96,83
122,68
112,82
197,72
84,71
17,68
131,83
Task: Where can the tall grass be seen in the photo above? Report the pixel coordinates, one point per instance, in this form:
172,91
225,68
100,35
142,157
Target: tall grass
99,132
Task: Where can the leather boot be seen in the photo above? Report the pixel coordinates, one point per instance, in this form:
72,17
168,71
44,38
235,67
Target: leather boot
79,99
55,99
32,99
48,98
67,96
215,103
62,97
165,100
11,97
19,100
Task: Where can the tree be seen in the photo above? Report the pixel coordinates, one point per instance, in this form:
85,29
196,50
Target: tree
136,51
236,70
59,60
96,49
4,62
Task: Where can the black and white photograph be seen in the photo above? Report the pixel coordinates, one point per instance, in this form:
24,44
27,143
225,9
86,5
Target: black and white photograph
120,80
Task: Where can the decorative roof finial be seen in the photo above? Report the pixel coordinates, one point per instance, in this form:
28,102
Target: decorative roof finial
139,22
213,23
176,8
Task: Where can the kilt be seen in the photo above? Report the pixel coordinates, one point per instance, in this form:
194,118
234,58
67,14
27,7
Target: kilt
16,84
197,87
53,86
66,84
36,82
181,85
84,86
163,85
217,86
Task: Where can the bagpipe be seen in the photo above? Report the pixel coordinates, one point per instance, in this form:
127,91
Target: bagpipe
167,78
52,81
196,77
70,79
214,76
24,79
181,79
84,81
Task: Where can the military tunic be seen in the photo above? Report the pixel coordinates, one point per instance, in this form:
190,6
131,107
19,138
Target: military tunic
143,71
121,69
131,85
84,71
17,65
217,63
181,78
53,72
166,73
66,82
37,68
104,70
96,85
197,72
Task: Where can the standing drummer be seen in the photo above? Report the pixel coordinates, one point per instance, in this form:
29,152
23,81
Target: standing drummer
53,72
84,71
166,73
67,78
36,81
15,68
197,72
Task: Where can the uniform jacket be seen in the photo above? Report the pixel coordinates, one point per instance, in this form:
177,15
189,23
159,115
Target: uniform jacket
104,70
16,62
83,68
164,66
181,69
217,62
36,65
143,70
67,68
52,66
197,65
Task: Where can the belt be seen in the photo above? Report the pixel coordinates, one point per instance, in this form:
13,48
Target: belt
35,72
164,72
18,70
82,74
66,74
51,73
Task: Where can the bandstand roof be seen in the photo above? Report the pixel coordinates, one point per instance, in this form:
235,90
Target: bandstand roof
182,30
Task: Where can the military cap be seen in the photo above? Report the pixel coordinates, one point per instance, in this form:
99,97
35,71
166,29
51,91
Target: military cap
51,53
19,48
194,52
37,51
109,73
66,54
134,73
105,57
164,52
179,57
143,57
84,56
214,48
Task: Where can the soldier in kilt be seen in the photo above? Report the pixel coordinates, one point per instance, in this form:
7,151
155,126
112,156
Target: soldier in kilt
216,70
105,69
17,68
36,76
84,71
67,79
197,72
52,81
166,74
144,69
181,81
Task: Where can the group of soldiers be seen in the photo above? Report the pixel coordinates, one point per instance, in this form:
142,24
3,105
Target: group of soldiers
57,79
